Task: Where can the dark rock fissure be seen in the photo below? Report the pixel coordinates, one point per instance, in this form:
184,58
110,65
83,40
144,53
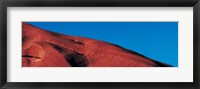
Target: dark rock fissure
76,60
54,34
77,42
59,49
28,56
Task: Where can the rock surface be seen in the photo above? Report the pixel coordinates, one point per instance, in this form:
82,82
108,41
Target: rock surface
42,48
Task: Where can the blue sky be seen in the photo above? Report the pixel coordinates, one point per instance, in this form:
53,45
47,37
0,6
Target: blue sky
156,40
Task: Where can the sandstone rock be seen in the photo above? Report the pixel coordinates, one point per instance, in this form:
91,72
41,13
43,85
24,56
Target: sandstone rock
42,48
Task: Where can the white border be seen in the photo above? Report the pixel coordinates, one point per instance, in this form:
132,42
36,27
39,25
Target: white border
183,73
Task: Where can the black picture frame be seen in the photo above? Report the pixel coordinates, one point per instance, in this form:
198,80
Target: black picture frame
98,3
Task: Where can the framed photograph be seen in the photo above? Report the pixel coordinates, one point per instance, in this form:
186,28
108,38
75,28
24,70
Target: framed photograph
128,44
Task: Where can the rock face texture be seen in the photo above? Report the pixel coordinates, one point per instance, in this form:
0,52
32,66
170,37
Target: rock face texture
42,48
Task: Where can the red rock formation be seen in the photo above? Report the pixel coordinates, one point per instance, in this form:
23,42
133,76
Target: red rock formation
42,48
